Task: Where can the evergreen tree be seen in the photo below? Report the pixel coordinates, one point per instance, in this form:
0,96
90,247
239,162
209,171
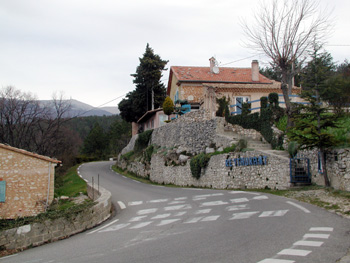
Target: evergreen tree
148,86
96,143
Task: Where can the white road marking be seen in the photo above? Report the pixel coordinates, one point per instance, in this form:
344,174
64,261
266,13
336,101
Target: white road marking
135,203
203,211
176,202
308,243
100,228
180,213
321,236
272,260
137,218
214,203
294,252
146,211
322,229
136,181
141,225
195,189
10,256
273,213
121,205
86,180
177,207
180,198
239,200
158,201
236,207
210,218
115,228
194,220
167,221
161,216
243,215
299,206
243,192
124,177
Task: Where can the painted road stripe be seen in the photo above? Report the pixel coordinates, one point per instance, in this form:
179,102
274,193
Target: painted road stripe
210,218
214,203
161,216
180,213
100,228
239,200
273,213
203,211
136,181
299,206
137,218
294,252
146,211
180,198
176,202
243,215
115,228
242,192
321,236
195,189
308,243
272,260
177,207
141,225
158,201
135,203
167,221
194,220
121,205
322,229
236,207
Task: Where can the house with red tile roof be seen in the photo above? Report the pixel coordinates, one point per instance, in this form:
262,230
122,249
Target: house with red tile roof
26,182
200,86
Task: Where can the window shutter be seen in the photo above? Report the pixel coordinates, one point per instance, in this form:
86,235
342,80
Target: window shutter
2,191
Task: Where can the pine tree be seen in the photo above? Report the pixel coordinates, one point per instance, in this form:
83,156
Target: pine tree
148,87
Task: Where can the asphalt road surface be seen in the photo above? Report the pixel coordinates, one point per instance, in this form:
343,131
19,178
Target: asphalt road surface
161,224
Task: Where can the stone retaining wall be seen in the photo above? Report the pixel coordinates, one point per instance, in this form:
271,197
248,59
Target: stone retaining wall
274,174
51,230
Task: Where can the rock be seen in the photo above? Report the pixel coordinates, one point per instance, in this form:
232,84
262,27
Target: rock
209,150
183,158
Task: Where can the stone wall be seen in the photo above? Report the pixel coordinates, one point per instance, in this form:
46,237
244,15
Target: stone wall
51,230
29,182
338,168
274,174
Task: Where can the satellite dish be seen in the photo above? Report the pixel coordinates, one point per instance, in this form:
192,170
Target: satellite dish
216,70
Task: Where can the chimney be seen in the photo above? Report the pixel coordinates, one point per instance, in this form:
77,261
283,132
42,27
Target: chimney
255,70
213,66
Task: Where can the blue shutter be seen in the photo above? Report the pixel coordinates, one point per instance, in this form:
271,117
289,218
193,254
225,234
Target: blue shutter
2,191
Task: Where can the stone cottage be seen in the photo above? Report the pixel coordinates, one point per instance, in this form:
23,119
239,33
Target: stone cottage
26,182
200,86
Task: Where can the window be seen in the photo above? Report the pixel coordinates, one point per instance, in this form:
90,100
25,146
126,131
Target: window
2,191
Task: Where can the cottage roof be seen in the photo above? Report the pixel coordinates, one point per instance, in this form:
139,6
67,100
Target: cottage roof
148,114
34,155
226,75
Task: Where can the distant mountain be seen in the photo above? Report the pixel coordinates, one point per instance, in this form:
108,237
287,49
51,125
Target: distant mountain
81,109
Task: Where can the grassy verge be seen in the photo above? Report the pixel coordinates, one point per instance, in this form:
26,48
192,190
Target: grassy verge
70,185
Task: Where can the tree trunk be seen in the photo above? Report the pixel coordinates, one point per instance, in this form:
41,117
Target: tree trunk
324,167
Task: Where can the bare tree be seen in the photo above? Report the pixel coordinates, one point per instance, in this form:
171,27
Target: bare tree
27,124
284,31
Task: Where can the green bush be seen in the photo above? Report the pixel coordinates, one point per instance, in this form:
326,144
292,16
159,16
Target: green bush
197,163
246,108
263,102
148,153
142,140
292,148
273,99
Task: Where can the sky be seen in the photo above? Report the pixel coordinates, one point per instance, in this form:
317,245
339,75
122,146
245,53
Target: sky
87,49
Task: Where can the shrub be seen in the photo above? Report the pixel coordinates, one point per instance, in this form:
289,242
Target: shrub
142,140
197,163
263,102
223,106
292,148
246,108
273,99
168,106
148,153
242,144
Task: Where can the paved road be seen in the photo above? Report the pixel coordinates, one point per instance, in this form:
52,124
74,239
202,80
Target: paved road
160,224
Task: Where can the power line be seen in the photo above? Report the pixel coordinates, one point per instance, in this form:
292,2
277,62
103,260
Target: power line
240,59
